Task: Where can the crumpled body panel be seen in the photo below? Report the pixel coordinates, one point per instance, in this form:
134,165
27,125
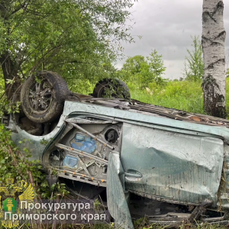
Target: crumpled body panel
172,167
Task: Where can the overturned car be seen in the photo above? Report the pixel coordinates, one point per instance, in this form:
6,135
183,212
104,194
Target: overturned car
176,163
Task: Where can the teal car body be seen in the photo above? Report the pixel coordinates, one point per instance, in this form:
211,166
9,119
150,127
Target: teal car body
157,153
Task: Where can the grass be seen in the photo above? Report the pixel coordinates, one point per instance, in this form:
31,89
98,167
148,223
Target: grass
182,95
183,226
143,223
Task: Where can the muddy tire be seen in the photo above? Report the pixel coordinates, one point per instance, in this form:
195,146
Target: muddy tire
111,88
42,96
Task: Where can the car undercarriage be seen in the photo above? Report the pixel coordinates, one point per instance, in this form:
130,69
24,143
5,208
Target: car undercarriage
166,164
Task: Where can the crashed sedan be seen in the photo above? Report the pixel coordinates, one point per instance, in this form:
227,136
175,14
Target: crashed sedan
175,162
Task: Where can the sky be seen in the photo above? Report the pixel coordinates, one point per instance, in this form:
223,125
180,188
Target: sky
168,26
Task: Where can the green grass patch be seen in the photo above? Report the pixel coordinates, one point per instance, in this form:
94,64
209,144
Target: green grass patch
182,95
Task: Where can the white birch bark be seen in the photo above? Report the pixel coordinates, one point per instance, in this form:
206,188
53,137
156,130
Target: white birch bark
213,44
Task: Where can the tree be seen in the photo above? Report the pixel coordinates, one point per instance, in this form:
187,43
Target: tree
213,43
72,37
194,64
143,70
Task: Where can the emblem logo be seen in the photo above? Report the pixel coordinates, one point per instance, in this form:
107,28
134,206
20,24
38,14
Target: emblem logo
11,197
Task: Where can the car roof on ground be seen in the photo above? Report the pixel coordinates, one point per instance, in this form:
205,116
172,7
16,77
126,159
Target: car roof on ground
150,109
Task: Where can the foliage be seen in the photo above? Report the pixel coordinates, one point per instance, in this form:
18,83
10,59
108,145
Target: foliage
182,95
86,86
75,38
82,86
141,223
17,164
194,64
143,70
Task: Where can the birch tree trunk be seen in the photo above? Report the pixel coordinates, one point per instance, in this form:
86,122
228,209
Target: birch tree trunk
213,44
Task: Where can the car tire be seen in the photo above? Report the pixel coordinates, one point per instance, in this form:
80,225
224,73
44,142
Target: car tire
42,96
114,88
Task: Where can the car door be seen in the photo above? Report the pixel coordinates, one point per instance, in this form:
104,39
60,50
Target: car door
174,166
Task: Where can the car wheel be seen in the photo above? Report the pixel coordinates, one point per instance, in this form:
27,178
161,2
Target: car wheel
43,95
111,88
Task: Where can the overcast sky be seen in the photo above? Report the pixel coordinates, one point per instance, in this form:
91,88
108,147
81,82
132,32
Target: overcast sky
167,26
